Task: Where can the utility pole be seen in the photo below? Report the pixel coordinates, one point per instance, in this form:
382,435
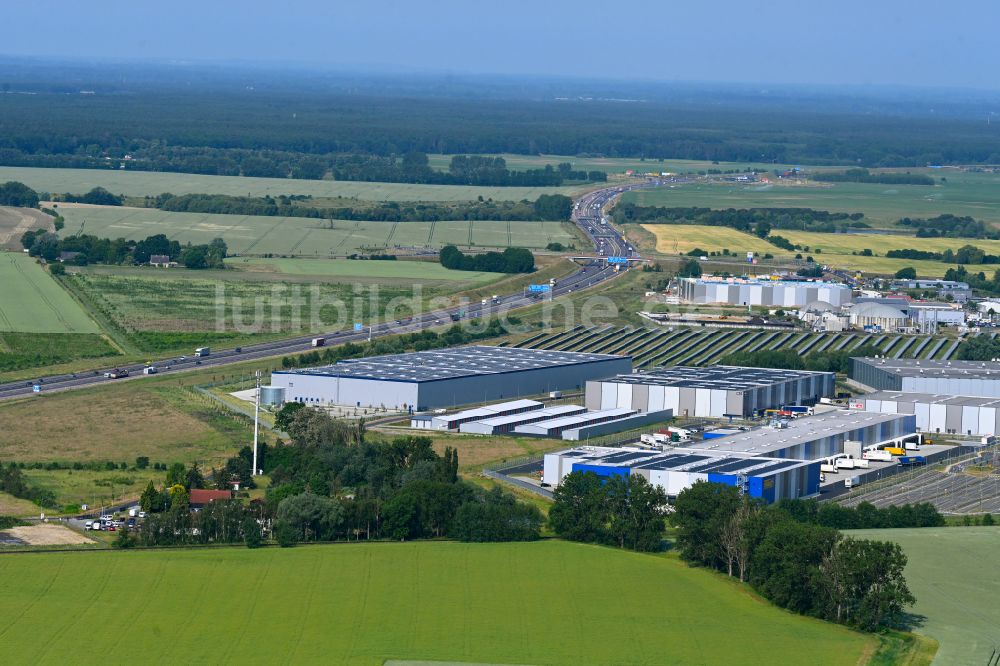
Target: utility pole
256,424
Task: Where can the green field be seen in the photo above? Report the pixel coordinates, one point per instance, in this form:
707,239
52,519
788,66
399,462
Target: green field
975,194
673,239
543,603
307,237
141,183
414,271
32,302
613,165
952,573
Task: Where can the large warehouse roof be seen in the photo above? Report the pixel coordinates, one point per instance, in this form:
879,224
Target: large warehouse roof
681,460
933,398
766,440
916,367
428,366
722,377
763,282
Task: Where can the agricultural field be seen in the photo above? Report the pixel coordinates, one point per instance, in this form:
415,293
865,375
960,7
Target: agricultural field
148,307
382,271
15,221
975,194
672,239
141,183
951,572
308,237
19,351
613,165
652,347
366,603
118,423
33,302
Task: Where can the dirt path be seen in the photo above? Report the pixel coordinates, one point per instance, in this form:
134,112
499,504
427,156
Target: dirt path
47,535
15,221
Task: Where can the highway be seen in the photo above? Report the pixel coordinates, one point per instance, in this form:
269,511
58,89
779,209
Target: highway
586,215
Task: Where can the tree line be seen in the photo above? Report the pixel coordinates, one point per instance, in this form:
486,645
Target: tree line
862,175
967,254
13,482
511,260
554,207
829,361
792,560
757,221
91,249
193,129
950,226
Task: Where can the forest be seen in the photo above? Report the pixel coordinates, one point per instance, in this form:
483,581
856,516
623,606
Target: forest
300,126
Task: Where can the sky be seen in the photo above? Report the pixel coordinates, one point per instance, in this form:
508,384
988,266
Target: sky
843,42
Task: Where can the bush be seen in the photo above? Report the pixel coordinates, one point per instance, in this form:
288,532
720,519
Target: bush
908,273
286,534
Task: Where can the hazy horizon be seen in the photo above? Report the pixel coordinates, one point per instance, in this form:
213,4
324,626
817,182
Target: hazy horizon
851,44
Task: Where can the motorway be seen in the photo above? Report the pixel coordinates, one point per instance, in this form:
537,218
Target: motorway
586,215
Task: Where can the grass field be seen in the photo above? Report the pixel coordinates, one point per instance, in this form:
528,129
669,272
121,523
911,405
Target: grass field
412,271
672,239
307,237
952,573
31,350
32,302
141,183
975,194
365,603
117,423
612,165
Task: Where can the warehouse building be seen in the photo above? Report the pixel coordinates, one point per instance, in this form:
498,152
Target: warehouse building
813,437
616,420
500,425
455,420
712,391
677,469
967,378
927,315
959,291
446,377
951,414
770,293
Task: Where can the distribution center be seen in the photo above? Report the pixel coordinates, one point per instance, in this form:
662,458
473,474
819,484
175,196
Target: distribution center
974,378
952,414
715,391
677,469
765,292
446,377
814,437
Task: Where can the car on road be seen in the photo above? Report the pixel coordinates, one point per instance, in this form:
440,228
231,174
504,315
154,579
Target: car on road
238,350
88,525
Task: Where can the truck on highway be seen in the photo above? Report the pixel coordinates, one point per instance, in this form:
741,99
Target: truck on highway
496,298
318,342
202,352
149,370
552,282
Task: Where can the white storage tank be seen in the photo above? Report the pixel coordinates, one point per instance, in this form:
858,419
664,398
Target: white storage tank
273,396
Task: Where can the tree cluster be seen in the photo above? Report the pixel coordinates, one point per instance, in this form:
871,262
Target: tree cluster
862,175
829,361
623,511
97,196
864,516
553,207
511,260
94,250
757,221
799,565
13,193
967,254
416,341
950,226
13,482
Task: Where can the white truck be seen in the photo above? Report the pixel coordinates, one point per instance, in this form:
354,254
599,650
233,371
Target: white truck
851,463
852,482
877,454
318,342
201,352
